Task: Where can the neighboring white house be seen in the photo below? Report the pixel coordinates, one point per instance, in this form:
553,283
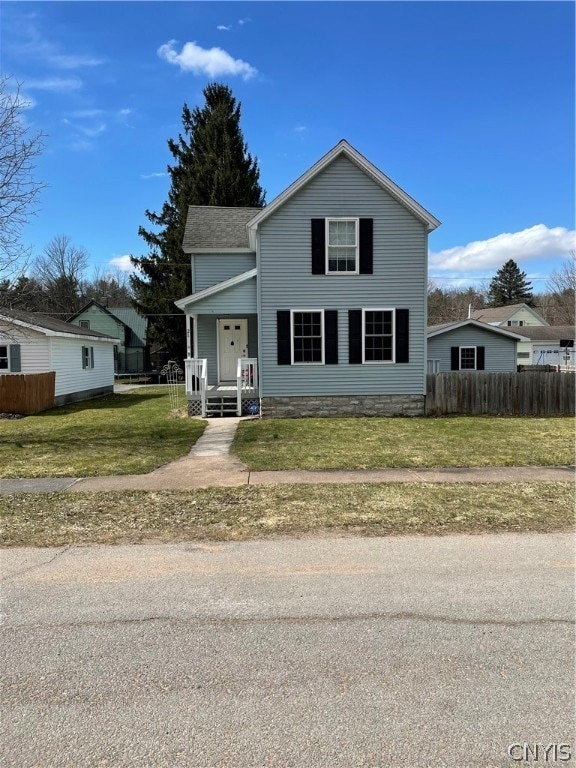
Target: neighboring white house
83,360
552,345
518,317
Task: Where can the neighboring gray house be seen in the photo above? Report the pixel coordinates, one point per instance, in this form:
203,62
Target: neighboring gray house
512,315
314,305
469,345
132,353
35,343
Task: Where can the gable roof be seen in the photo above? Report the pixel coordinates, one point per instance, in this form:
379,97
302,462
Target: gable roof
232,281
129,317
212,227
49,326
502,314
438,330
346,150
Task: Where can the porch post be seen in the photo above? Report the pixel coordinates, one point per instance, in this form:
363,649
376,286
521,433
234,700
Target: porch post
195,334
188,338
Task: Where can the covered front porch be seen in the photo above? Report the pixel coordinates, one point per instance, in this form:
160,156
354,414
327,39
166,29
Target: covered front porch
238,398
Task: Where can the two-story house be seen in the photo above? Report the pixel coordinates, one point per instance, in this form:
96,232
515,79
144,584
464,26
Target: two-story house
132,353
314,305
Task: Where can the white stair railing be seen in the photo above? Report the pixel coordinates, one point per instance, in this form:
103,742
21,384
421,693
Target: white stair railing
196,374
246,380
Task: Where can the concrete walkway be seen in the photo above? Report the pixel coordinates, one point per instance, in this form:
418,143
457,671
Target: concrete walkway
209,464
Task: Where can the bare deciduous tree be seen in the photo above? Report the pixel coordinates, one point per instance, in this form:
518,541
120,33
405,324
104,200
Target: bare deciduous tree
60,270
19,190
562,287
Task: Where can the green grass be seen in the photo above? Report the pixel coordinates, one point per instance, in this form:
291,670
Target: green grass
129,433
252,512
466,441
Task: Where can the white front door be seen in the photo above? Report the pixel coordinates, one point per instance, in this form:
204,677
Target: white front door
232,344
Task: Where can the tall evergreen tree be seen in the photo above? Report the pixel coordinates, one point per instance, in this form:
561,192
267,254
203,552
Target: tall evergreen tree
212,167
509,286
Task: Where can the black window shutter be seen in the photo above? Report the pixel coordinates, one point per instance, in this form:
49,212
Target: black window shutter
454,358
366,246
479,358
331,337
318,247
283,337
355,336
15,358
402,336
83,357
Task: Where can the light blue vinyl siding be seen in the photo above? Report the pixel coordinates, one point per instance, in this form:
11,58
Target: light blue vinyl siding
239,298
208,345
212,268
287,282
499,351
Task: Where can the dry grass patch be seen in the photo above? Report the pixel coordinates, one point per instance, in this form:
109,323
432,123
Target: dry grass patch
262,511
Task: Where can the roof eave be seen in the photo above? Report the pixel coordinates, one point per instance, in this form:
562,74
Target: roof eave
213,289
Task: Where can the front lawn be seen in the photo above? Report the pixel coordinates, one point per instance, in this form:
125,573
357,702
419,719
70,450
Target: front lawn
129,433
369,443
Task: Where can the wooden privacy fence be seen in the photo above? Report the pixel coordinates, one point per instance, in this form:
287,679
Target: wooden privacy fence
500,394
27,392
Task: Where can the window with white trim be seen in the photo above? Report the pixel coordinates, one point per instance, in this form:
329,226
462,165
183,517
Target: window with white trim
341,246
378,335
467,358
4,358
433,366
87,357
307,332
515,322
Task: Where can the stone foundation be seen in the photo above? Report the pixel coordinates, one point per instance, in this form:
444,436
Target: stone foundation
338,405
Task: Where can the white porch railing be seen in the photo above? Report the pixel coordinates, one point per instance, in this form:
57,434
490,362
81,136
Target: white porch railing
196,374
246,380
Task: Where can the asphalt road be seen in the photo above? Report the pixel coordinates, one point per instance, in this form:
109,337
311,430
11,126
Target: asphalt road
408,652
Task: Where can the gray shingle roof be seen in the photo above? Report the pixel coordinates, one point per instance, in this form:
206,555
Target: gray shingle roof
49,323
548,332
209,226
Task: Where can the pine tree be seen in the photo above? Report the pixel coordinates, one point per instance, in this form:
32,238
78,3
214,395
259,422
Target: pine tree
509,286
212,167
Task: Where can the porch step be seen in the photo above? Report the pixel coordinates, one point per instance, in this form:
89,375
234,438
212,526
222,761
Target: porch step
221,406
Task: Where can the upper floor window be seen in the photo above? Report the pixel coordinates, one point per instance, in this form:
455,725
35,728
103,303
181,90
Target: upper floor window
84,323
307,336
4,359
341,246
516,322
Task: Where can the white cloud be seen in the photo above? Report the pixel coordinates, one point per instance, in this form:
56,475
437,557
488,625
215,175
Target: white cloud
537,242
151,175
126,111
205,61
63,61
83,113
90,131
241,22
224,28
300,129
123,263
54,84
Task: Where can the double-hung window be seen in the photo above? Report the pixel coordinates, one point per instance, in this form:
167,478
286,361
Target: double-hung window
4,358
307,332
467,358
342,246
87,357
378,328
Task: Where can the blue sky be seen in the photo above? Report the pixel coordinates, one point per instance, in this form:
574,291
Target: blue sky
469,107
